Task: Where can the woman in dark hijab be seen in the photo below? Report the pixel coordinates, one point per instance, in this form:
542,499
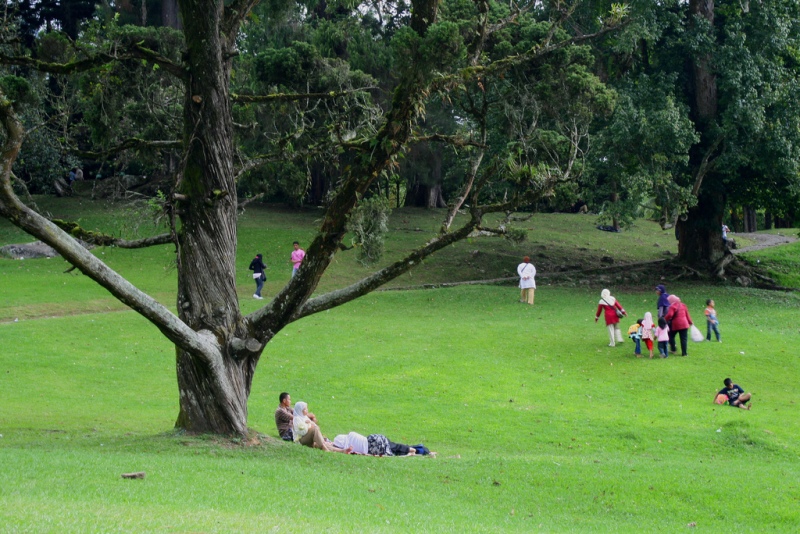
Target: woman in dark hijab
663,303
257,266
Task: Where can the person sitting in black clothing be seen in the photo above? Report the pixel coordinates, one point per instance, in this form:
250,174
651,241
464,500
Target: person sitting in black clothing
736,395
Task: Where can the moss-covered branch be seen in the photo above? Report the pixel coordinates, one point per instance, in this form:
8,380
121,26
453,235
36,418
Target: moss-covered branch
134,51
132,143
454,140
294,97
501,66
107,240
59,68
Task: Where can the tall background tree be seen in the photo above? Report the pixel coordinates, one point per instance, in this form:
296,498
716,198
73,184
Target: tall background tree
711,90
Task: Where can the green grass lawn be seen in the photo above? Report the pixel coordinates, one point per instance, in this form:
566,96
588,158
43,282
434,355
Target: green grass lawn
556,242
783,262
538,424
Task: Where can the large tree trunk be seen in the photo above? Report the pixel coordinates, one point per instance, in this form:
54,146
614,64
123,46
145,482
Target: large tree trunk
211,400
700,239
750,219
700,235
425,190
319,185
169,14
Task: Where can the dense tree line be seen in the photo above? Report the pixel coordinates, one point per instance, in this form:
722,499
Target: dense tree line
706,125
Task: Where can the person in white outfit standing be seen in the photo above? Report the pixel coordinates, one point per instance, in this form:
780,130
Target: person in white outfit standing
527,281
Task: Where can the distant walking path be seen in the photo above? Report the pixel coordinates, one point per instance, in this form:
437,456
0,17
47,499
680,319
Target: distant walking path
763,241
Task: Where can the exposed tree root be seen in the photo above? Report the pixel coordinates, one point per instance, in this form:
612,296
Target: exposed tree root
729,270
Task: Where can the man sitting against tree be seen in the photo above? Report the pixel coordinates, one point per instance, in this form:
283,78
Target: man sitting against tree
284,416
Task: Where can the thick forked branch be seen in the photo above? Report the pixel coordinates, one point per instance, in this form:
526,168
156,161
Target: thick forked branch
31,222
235,12
132,143
106,240
383,149
705,165
501,66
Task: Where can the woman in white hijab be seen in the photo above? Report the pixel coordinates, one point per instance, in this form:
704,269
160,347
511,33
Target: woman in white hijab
307,432
612,310
648,331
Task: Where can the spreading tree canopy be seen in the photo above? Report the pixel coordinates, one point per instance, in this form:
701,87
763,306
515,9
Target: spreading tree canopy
707,118
515,78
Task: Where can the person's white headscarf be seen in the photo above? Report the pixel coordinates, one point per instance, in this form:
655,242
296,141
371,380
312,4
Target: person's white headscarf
353,439
647,322
606,298
300,421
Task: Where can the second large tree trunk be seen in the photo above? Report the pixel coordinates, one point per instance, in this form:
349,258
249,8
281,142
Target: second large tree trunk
700,235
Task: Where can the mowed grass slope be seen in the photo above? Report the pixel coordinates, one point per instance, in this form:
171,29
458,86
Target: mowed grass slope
782,263
538,424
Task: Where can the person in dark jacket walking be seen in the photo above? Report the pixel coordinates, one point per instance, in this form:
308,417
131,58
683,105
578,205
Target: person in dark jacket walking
257,266
662,303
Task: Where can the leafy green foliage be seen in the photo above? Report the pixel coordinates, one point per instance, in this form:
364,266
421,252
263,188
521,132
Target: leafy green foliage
642,154
369,225
18,90
748,146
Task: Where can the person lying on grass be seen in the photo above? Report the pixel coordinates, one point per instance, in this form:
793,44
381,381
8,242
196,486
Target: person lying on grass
377,445
735,395
307,432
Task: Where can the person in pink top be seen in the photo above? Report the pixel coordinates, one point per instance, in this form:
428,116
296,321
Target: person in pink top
679,322
662,336
297,257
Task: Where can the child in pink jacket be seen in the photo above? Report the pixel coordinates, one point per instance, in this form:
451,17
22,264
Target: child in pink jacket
662,336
